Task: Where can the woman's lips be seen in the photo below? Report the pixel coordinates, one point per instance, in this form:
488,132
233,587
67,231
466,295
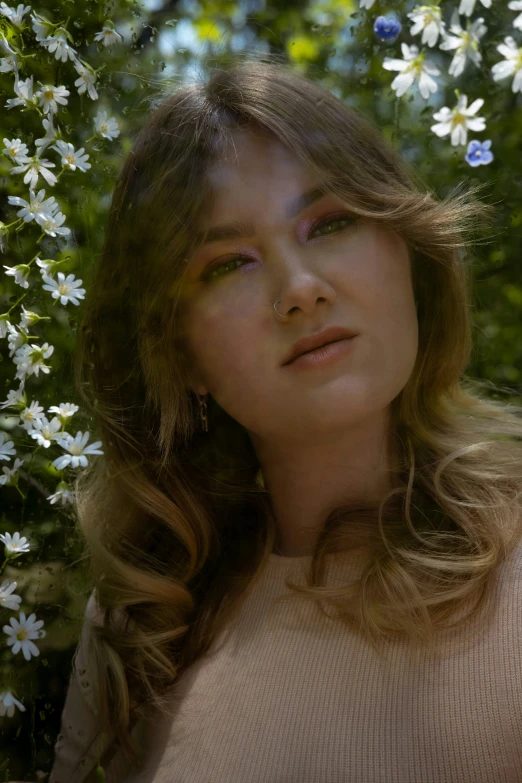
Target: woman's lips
326,354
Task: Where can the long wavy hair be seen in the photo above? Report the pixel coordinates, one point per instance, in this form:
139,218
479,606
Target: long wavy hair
176,521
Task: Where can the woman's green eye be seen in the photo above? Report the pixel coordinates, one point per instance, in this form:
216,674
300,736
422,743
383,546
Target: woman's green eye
329,223
216,271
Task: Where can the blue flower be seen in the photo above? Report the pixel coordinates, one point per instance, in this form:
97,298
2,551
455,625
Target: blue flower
478,153
387,28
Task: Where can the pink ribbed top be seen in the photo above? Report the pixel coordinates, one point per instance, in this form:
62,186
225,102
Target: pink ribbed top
286,695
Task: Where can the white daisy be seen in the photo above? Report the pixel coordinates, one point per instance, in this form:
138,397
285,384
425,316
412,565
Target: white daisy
427,18
46,265
8,64
20,272
8,703
108,128
367,3
4,324
30,359
52,224
21,632
11,474
58,43
42,26
65,410
108,34
459,120
412,67
71,159
7,598
14,544
62,495
87,79
37,204
467,7
16,398
15,17
65,288
29,318
516,5
511,65
50,134
16,149
17,337
6,447
50,96
77,450
465,43
31,414
44,431
5,46
24,91
34,167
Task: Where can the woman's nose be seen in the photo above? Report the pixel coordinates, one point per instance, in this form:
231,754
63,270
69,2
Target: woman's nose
301,284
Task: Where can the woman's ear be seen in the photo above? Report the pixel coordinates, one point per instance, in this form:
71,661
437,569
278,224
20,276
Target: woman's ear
197,386
192,379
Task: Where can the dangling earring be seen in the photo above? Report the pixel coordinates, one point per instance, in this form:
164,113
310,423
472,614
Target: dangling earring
203,412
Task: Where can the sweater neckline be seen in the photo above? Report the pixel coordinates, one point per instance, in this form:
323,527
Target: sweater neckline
351,554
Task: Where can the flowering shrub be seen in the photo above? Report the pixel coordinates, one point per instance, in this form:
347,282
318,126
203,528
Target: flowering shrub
47,80
53,161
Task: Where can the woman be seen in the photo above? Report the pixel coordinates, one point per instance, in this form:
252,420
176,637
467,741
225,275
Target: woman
304,569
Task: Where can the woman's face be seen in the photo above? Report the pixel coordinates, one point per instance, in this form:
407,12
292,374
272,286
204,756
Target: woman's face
351,273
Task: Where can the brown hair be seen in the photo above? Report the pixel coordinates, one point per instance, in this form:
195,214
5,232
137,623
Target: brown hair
177,523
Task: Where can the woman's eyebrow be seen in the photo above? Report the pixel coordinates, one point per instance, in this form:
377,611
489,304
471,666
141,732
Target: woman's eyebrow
242,229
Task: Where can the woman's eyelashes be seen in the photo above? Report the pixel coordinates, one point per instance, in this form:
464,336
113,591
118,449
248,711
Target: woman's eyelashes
334,224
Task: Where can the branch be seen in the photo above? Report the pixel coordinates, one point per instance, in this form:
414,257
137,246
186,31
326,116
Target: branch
42,490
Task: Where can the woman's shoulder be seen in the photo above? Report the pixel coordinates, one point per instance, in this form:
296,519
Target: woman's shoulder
93,614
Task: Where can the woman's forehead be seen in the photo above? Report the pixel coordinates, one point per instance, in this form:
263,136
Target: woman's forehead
250,156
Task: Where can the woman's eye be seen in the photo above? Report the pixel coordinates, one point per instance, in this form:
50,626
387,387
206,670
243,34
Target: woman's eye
213,273
331,223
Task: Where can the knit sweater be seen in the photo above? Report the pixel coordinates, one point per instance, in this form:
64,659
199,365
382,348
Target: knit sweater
287,695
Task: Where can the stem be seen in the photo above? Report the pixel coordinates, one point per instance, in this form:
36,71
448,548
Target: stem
17,302
20,491
43,491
